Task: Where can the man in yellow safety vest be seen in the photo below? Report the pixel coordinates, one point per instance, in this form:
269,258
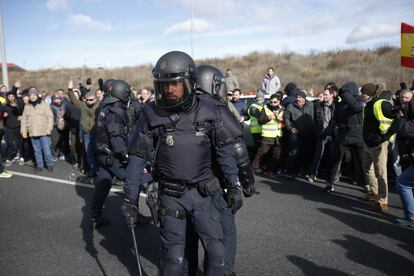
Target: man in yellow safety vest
377,132
254,112
271,119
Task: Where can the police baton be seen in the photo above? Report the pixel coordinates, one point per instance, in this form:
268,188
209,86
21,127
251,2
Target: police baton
136,250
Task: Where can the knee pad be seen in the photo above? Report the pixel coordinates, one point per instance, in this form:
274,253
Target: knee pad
174,258
216,252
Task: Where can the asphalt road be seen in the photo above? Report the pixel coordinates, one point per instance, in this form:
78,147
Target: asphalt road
289,228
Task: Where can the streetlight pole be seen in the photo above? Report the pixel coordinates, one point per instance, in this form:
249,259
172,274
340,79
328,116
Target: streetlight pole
192,28
3,52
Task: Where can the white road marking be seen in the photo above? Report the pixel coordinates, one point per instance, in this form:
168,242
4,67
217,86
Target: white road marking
63,181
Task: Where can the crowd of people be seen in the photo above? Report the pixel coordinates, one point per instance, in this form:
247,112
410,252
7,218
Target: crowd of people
294,134
40,128
301,134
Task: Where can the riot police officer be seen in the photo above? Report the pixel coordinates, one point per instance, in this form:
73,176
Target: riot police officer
185,133
210,80
111,144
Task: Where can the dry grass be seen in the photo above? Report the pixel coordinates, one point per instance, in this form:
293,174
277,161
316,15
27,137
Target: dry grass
307,71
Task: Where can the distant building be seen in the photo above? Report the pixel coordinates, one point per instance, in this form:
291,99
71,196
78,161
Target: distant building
12,67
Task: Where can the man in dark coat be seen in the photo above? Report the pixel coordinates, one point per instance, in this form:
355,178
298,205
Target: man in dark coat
348,117
298,118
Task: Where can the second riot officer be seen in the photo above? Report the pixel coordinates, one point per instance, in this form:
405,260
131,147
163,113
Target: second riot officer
185,133
111,144
210,81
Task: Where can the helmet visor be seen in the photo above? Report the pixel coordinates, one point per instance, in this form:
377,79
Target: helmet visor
171,93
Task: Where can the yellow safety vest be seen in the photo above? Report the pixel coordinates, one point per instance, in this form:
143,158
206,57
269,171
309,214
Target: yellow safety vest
273,128
384,122
254,124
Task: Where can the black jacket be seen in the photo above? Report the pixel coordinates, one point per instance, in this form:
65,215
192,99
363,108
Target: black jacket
300,118
73,115
12,113
348,115
370,131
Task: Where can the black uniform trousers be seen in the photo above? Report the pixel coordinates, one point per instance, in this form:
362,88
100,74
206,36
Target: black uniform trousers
202,212
103,181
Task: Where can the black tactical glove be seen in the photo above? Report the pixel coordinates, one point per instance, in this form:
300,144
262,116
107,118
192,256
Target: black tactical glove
247,180
130,211
123,158
234,197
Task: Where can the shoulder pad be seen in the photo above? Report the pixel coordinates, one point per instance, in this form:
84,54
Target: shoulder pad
156,116
207,108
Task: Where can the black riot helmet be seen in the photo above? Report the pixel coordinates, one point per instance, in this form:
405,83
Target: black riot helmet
174,76
106,85
120,89
211,80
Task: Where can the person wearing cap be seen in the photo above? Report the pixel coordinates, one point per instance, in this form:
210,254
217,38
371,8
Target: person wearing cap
60,132
298,119
254,112
89,108
377,132
37,123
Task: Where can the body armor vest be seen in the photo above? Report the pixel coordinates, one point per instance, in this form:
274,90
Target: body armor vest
184,144
102,137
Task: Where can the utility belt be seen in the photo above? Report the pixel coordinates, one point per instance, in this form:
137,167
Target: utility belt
177,188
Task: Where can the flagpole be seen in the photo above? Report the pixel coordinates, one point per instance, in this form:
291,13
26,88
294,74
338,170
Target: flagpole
3,52
192,28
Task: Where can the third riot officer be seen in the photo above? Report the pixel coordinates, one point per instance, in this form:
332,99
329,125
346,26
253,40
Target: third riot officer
111,144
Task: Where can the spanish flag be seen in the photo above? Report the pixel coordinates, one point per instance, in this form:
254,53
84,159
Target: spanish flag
407,45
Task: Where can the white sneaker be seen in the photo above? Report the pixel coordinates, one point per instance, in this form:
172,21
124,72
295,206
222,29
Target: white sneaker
8,163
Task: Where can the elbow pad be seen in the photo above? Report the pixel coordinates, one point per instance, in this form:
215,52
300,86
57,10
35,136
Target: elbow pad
246,176
228,130
141,141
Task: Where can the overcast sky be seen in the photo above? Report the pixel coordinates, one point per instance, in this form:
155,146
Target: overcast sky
109,33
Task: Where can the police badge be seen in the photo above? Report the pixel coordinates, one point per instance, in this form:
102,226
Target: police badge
169,140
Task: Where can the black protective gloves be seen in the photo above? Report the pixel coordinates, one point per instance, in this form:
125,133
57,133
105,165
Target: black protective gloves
130,211
234,197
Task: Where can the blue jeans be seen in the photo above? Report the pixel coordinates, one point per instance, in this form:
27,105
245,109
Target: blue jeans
405,184
41,147
89,144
